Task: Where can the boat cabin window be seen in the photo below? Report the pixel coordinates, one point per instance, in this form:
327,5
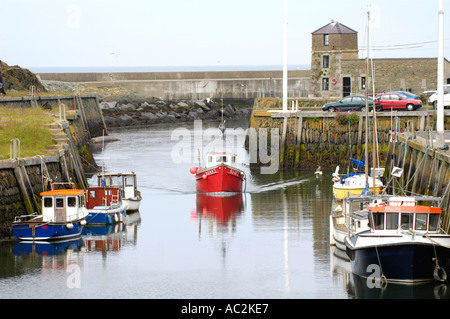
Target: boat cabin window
421,221
129,181
406,220
391,220
434,220
59,202
48,202
210,158
233,159
71,201
378,220
92,194
221,159
108,192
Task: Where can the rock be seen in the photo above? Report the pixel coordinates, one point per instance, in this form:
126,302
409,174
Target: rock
182,104
128,106
125,118
193,115
161,114
149,115
108,105
200,103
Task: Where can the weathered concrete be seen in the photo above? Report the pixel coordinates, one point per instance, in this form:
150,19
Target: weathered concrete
195,85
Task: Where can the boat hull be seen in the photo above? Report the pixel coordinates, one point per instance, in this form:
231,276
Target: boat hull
133,204
34,231
406,263
339,193
221,178
104,215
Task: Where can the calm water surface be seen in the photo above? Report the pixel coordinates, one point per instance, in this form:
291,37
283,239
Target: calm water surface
270,242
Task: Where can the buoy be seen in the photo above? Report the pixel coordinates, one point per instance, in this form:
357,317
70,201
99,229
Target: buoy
193,170
204,176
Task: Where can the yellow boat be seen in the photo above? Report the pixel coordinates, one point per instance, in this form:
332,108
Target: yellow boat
354,185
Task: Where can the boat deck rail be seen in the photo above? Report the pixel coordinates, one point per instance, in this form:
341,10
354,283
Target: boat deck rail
35,217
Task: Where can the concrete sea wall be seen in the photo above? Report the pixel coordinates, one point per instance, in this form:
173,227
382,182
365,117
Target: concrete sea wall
235,85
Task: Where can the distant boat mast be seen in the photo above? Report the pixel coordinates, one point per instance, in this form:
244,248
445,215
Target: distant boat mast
440,75
285,58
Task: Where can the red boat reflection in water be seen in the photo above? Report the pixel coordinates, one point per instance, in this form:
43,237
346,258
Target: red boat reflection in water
219,208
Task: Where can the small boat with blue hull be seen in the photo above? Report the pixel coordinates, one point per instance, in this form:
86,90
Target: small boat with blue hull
63,215
105,206
405,241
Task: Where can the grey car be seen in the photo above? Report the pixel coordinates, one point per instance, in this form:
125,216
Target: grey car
349,103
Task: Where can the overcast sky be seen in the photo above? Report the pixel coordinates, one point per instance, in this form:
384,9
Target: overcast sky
43,33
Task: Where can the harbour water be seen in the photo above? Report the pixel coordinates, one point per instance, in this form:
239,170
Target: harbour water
272,242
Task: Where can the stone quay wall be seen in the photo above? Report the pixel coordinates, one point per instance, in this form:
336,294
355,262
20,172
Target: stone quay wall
23,179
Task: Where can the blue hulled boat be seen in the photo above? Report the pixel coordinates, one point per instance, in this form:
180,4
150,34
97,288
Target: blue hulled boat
105,206
63,215
404,243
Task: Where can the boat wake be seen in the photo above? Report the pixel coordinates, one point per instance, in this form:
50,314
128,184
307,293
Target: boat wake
276,185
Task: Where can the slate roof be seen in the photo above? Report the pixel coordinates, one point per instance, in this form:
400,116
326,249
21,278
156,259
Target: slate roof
334,27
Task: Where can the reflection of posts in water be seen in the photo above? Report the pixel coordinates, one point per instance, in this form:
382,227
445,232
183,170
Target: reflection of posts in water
262,150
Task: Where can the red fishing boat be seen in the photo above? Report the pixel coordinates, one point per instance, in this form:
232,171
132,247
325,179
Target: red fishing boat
220,174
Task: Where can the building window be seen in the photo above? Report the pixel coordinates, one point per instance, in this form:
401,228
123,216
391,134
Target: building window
326,61
325,84
363,83
326,39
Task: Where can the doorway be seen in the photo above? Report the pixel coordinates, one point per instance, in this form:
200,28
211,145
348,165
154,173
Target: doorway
346,86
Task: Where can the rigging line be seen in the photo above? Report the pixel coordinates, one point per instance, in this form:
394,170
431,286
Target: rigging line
402,45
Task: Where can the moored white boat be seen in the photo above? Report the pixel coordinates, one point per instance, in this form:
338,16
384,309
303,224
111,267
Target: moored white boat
127,183
63,215
343,215
405,243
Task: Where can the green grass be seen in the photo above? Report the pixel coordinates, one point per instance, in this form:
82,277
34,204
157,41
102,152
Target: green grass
29,126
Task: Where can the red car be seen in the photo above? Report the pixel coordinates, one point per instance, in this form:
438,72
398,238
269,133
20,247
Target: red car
396,101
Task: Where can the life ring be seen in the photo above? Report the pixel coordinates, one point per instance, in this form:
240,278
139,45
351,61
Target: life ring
334,81
440,274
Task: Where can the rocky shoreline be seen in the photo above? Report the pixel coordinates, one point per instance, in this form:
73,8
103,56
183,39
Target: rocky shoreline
118,115
123,108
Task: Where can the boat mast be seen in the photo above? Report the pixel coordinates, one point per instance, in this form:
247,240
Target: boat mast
285,58
440,75
374,129
366,150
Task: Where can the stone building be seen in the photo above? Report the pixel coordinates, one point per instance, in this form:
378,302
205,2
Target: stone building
336,70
